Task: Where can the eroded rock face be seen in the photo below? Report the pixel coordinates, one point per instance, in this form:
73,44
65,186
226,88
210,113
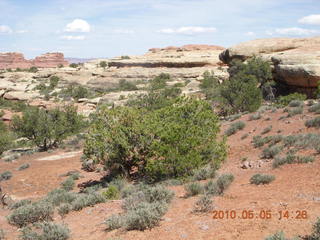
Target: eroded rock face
296,61
17,60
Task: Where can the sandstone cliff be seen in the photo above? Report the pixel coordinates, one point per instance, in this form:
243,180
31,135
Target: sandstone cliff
17,60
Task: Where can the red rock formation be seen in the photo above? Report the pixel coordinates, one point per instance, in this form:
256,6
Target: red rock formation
17,60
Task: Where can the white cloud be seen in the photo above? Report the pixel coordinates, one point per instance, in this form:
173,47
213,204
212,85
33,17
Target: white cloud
295,31
124,31
250,34
268,32
78,25
5,29
22,31
70,37
311,19
188,30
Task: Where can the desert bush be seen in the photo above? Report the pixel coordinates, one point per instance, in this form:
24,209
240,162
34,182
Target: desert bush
112,192
103,64
33,69
45,231
315,108
223,182
315,122
156,142
114,222
47,129
255,116
210,86
296,103
233,117
68,184
20,204
74,65
258,141
266,130
76,91
158,194
288,159
304,159
124,85
295,111
204,204
277,236
6,138
54,80
59,196
145,215
271,152
204,173
5,176
31,213
64,209
193,189
258,179
235,127
23,166
285,100
315,231
87,200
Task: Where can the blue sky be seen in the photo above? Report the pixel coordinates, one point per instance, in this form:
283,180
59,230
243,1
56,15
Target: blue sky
107,28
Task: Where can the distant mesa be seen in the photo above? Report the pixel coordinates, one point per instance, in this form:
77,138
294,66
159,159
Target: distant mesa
16,60
189,47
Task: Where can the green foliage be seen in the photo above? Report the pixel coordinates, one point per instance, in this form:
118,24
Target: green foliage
223,182
112,192
5,176
285,100
124,85
33,69
6,138
204,204
76,91
204,173
316,231
125,57
17,106
48,128
271,152
20,204
315,122
24,166
59,196
31,213
68,184
169,142
296,103
277,236
255,116
45,231
64,209
295,111
144,208
193,189
266,130
235,127
103,64
315,108
159,81
54,80
209,85
74,65
258,179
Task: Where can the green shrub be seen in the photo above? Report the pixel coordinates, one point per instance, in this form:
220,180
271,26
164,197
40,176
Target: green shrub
23,166
295,111
271,152
31,213
103,64
234,117
74,65
59,196
315,122
20,204
75,91
266,130
145,215
204,204
124,85
86,200
45,231
114,222
277,236
5,176
296,103
112,192
223,182
193,189
204,173
158,194
47,129
68,184
315,108
165,143
6,138
54,80
258,141
33,69
235,127
258,179
255,116
285,100
210,87
316,231
64,209
278,161
304,159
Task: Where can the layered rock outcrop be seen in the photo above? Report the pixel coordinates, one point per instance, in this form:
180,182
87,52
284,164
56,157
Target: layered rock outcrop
295,61
17,60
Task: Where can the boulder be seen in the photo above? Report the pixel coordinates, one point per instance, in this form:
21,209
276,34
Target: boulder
295,61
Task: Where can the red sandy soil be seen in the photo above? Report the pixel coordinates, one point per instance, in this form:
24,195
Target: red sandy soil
295,188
